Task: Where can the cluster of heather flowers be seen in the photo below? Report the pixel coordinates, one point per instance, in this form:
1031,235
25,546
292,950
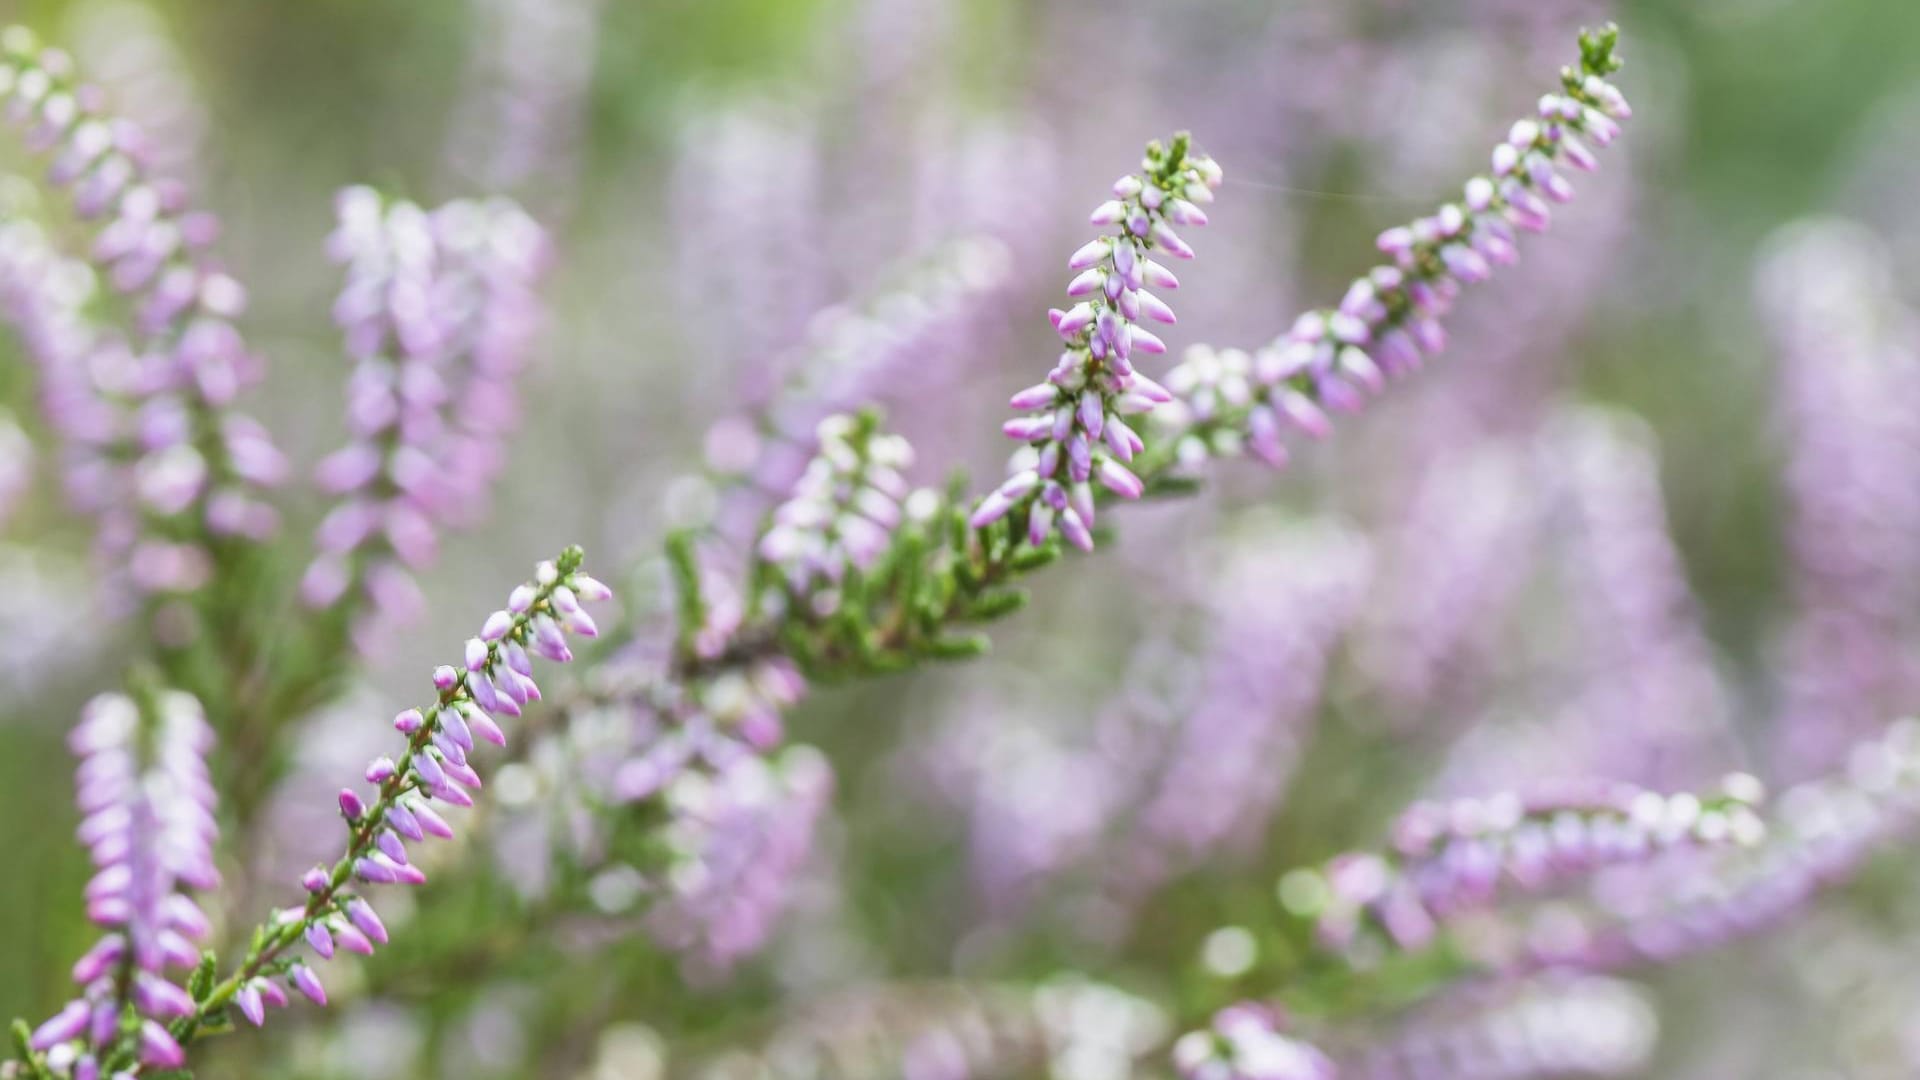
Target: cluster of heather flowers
175,449
1450,858
149,801
660,812
438,312
1822,832
1076,427
843,508
1392,318
148,806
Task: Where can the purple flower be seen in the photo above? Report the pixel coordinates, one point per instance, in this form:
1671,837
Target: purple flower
843,509
322,941
66,1025
248,999
367,920
1819,836
308,983
1078,431
1333,358
163,445
158,1048
147,819
331,916
1449,858
438,311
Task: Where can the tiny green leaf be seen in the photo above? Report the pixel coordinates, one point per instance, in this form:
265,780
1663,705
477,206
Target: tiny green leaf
995,604
965,647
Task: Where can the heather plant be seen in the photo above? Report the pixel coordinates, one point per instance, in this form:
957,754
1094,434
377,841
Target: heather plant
596,805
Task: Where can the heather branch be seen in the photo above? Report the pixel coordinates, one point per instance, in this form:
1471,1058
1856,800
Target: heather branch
1387,914
951,559
959,565
433,768
1448,859
1820,834
147,802
954,559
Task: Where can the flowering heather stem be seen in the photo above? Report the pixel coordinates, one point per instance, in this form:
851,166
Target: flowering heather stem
173,471
844,497
843,509
148,802
1454,857
1390,317
437,308
45,297
1075,427
947,565
736,660
433,768
1821,833
198,462
960,565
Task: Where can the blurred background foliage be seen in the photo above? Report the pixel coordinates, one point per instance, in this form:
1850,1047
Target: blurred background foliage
1751,114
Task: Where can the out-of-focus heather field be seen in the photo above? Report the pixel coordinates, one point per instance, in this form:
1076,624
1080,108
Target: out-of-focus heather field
1654,516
